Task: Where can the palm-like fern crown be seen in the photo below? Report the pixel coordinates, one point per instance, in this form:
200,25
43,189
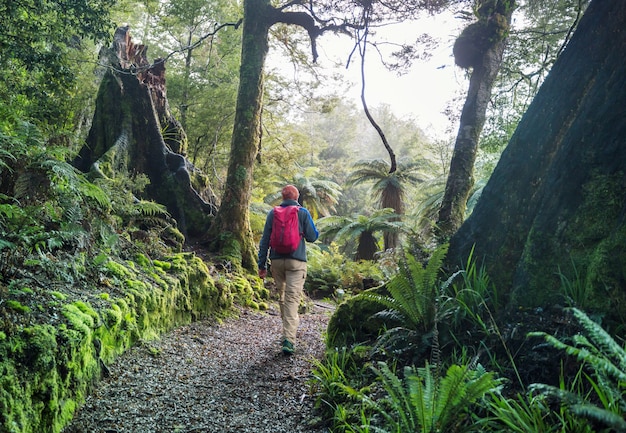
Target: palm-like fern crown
350,228
390,188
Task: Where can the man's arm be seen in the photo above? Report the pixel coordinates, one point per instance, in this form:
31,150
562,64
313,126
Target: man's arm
310,231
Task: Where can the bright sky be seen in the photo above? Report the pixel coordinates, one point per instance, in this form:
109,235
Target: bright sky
425,91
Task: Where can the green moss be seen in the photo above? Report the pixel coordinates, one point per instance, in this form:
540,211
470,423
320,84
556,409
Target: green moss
64,362
240,286
143,261
352,322
78,319
117,270
230,250
166,266
113,316
41,347
17,306
58,295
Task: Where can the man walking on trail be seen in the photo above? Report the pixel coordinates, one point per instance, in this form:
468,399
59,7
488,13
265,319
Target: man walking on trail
288,268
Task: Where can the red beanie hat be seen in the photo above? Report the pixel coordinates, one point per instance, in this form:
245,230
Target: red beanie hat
290,192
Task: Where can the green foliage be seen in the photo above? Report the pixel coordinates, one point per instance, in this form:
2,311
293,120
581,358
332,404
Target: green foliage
389,188
414,292
413,307
358,233
329,270
607,360
318,195
423,401
473,298
527,414
41,42
17,306
577,291
330,379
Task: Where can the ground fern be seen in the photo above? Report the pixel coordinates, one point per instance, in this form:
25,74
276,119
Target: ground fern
606,359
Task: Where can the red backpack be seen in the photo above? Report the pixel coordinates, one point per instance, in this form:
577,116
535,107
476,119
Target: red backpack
286,236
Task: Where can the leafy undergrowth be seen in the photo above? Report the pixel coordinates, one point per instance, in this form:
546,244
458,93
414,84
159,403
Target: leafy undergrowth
86,271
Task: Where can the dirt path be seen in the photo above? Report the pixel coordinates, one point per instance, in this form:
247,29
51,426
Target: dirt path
209,378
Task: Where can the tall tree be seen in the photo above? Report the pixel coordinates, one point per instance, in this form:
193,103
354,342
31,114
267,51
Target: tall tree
479,47
231,232
203,62
555,202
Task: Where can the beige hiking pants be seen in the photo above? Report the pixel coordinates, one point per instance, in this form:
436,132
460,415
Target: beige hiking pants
289,275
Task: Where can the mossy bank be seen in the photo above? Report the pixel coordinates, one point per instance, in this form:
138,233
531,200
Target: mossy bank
56,344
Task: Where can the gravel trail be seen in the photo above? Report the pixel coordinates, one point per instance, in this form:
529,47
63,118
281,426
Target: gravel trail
209,378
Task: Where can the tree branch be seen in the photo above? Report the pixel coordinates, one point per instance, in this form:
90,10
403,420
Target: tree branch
392,156
310,24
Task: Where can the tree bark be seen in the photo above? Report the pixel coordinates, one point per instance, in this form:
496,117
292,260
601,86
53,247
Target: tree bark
461,175
231,234
133,131
556,201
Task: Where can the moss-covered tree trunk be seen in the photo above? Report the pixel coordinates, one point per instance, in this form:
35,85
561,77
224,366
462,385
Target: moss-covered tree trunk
556,202
133,132
480,47
231,233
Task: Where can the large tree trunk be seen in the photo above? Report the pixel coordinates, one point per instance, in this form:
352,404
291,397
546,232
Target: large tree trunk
480,47
556,202
132,118
231,233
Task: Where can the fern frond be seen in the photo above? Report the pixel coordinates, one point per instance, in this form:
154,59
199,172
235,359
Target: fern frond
388,315
398,399
149,208
607,359
590,354
95,193
433,267
421,402
61,168
460,388
601,338
394,340
6,244
603,416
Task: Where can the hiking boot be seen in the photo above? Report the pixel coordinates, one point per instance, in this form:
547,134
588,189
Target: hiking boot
288,348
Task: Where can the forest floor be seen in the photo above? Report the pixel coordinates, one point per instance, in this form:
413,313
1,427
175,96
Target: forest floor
207,378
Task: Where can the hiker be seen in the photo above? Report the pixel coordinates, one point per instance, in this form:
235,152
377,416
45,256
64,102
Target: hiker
288,268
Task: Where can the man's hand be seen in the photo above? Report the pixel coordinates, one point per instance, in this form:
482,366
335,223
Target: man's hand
262,273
